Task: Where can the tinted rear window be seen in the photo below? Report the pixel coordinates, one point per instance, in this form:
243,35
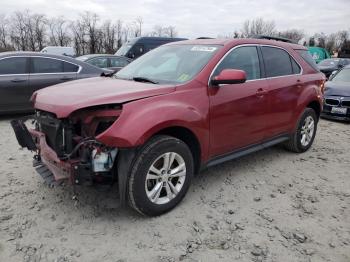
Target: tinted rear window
277,62
46,65
14,65
308,59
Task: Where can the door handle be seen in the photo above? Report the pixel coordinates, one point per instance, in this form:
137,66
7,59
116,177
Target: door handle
299,85
18,80
261,92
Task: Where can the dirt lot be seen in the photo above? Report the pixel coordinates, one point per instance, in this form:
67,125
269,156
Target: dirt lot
269,206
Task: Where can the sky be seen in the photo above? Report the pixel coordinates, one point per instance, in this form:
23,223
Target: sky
195,18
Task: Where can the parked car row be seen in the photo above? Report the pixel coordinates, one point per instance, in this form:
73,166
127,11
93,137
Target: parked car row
22,73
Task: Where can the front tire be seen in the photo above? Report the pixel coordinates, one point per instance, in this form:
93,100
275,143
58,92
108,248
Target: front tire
160,175
303,137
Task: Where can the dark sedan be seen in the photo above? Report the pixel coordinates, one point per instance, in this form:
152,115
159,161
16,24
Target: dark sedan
328,66
337,96
111,62
22,73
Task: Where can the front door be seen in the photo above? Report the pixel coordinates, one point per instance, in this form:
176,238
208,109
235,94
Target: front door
238,112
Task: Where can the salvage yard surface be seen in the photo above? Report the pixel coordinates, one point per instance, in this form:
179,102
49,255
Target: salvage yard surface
269,206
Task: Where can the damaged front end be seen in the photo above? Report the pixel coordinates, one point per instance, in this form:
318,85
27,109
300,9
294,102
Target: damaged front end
67,149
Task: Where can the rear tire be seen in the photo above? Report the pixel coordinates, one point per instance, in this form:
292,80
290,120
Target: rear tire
304,135
160,175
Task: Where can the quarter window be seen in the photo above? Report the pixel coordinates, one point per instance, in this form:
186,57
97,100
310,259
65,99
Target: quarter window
243,58
295,66
68,67
46,65
277,62
13,65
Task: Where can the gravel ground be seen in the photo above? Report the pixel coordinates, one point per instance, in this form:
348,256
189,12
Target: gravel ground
269,206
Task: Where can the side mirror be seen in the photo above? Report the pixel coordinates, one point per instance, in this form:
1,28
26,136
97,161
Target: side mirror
229,76
332,75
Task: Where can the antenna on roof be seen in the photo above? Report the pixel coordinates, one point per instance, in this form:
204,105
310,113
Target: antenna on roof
276,38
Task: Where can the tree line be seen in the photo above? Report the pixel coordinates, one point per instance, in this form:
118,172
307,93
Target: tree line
88,34
333,42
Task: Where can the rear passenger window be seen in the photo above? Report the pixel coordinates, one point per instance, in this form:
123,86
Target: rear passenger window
243,58
46,65
295,66
277,62
68,67
14,65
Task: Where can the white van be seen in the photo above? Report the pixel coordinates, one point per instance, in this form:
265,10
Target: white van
59,50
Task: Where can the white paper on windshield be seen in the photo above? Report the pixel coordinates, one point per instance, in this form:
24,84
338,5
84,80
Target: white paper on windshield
201,48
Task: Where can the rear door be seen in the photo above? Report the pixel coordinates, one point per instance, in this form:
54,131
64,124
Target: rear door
238,112
14,84
45,71
285,85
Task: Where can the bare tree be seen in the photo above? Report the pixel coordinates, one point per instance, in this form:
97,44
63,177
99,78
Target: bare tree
108,37
90,21
170,31
293,34
4,32
138,26
59,34
258,26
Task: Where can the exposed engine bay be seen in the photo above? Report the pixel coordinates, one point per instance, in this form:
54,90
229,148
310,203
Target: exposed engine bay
79,156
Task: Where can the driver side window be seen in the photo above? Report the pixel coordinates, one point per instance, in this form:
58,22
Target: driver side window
243,58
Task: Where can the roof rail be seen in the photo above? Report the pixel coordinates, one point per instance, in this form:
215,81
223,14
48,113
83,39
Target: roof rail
276,38
205,37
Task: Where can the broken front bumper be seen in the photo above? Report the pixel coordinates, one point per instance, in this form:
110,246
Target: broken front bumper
51,167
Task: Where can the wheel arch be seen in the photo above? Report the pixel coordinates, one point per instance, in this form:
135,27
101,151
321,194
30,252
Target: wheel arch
315,105
189,138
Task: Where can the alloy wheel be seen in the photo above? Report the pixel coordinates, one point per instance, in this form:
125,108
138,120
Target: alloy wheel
165,178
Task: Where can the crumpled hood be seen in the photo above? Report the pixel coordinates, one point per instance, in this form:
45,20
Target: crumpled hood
63,99
337,88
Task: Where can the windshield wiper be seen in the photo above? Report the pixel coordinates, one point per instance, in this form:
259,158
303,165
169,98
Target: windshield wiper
144,79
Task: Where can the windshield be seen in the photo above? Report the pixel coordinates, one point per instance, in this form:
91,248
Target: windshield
170,64
122,51
329,62
342,76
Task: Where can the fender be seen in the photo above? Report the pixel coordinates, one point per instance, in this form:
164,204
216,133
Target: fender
143,118
309,94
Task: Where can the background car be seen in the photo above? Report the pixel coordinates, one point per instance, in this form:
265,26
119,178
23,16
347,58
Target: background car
59,50
138,46
22,73
111,62
337,96
327,66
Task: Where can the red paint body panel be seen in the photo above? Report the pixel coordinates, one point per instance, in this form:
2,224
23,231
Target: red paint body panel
63,99
223,118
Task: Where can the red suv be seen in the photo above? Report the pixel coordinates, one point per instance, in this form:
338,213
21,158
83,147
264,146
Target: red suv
178,109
